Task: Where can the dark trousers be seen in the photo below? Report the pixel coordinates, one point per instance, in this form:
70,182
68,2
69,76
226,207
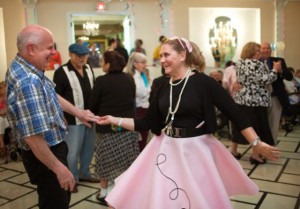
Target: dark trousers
50,194
258,117
140,112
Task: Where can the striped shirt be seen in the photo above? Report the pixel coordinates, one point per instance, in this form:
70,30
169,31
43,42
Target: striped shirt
32,105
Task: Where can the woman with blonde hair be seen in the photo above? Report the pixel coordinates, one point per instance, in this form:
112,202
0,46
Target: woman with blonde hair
184,165
254,97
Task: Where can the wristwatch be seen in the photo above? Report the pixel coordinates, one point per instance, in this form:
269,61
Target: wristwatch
256,141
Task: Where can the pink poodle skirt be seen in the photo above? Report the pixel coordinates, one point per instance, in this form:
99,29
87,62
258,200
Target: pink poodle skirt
191,173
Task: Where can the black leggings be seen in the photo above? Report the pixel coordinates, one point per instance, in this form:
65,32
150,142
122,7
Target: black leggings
51,195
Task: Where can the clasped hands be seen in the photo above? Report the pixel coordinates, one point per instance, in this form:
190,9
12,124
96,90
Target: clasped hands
277,66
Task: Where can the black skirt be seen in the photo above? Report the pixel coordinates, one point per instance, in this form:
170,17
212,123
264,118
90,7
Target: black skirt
115,152
259,120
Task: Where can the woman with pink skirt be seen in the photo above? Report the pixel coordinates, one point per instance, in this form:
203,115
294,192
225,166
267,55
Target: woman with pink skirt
184,165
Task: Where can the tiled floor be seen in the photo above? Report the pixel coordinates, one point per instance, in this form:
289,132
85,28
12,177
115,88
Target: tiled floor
279,182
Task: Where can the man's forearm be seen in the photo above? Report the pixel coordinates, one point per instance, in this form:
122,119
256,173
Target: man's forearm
67,106
85,116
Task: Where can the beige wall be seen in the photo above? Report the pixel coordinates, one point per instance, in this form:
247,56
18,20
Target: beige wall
58,11
267,14
146,22
14,21
3,64
292,34
182,29
53,15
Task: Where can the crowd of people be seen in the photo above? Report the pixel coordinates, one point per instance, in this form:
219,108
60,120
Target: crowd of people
60,124
279,95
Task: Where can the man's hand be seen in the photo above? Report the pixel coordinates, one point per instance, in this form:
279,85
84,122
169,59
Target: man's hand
86,116
41,150
65,178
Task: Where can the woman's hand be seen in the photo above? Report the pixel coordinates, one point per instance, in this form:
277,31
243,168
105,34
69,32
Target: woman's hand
269,152
107,119
259,147
126,123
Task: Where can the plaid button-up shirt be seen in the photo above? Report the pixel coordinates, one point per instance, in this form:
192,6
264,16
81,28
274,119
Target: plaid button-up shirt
32,104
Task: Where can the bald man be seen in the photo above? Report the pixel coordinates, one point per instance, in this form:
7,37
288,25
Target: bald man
35,114
280,98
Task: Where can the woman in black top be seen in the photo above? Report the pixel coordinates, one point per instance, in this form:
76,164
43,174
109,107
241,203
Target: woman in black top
116,148
184,165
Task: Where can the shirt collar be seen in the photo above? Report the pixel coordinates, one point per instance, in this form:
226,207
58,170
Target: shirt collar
72,68
31,68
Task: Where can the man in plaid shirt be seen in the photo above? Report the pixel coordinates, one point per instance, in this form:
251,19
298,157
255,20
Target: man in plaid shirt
34,112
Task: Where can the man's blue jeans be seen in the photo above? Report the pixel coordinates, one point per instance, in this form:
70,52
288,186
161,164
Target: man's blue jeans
81,144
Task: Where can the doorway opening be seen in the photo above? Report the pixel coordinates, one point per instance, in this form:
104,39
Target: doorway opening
99,28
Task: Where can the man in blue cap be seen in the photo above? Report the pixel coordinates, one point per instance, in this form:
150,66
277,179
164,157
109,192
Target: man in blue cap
74,82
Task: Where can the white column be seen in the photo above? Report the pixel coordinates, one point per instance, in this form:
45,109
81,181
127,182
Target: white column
166,18
280,27
30,11
3,63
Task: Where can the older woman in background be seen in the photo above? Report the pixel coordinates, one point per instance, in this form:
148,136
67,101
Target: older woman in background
254,96
136,67
116,148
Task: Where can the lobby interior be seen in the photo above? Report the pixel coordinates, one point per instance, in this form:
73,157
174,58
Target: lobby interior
279,181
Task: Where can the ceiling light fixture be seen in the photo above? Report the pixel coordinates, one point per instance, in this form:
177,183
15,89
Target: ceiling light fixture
91,28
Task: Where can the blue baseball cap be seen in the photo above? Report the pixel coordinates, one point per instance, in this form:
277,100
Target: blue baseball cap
78,49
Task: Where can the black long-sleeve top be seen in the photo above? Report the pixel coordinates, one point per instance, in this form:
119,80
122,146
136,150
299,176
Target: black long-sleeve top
199,98
113,94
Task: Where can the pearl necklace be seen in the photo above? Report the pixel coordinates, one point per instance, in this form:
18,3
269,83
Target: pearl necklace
175,84
168,127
